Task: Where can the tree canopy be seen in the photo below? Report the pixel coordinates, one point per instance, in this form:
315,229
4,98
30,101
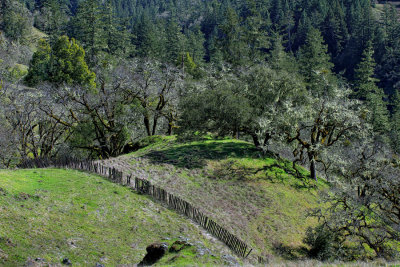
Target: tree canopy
64,62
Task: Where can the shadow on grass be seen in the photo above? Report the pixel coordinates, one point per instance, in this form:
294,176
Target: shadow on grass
195,155
290,253
280,170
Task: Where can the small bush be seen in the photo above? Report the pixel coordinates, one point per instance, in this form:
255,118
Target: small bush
321,242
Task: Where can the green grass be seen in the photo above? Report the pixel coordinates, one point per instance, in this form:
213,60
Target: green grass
183,255
256,197
33,38
53,214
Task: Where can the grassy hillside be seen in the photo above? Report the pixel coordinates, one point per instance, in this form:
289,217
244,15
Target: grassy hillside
255,197
32,40
17,55
51,214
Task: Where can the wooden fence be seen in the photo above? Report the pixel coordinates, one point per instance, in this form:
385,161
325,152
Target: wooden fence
145,187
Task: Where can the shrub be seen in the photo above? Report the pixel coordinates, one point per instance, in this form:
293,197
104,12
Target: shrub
321,242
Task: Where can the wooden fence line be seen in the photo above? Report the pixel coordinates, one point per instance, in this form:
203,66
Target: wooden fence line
145,187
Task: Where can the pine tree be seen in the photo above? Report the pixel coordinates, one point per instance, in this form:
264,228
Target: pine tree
389,69
116,35
389,57
195,44
379,116
391,26
256,32
175,41
362,28
88,28
277,14
214,14
304,26
73,7
365,81
314,62
214,51
287,25
278,59
395,122
54,19
146,40
233,47
368,91
335,29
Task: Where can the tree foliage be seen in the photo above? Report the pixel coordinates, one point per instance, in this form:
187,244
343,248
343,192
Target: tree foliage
368,91
64,62
324,123
15,19
363,203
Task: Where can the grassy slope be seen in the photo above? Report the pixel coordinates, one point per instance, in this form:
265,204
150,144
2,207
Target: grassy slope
52,214
34,37
252,196
30,42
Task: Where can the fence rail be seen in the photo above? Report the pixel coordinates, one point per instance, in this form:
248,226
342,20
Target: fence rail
145,187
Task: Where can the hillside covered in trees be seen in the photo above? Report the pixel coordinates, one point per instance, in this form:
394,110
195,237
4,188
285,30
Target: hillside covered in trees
312,82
